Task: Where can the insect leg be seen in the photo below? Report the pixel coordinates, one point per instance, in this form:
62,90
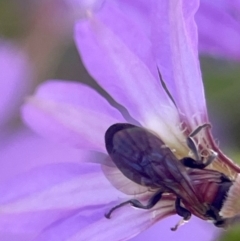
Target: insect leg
199,128
191,143
183,212
198,163
135,203
220,223
190,162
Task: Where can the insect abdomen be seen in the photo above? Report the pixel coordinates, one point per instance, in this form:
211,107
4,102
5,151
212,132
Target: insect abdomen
211,187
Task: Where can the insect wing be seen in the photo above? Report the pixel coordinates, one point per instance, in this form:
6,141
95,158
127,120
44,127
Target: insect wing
205,175
139,154
128,146
122,183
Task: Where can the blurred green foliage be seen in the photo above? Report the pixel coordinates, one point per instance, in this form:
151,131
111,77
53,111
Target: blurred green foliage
222,86
14,18
231,235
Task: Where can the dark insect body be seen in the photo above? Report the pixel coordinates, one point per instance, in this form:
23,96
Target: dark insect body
145,159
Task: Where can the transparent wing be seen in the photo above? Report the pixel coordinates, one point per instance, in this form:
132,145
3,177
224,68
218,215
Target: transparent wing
122,183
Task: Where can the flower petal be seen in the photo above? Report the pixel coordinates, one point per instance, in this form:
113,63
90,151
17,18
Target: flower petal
213,16
93,226
177,56
67,192
195,229
119,56
28,224
72,113
64,186
23,150
39,197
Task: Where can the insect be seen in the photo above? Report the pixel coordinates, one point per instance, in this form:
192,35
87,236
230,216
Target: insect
144,158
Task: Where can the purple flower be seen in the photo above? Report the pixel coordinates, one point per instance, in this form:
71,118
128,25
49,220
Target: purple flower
218,25
20,149
219,28
20,152
67,201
